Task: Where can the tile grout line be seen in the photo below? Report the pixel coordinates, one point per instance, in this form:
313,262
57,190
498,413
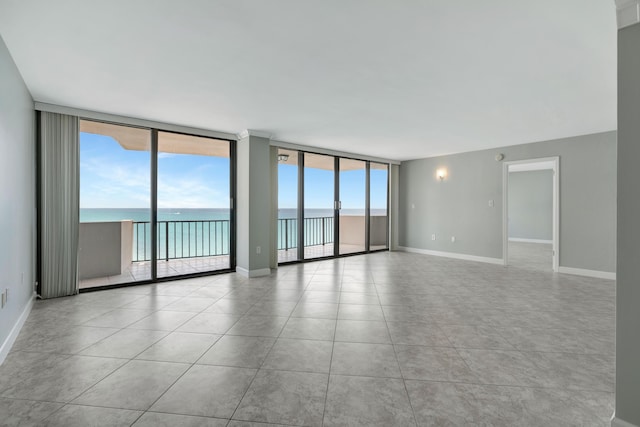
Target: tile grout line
333,346
260,367
395,353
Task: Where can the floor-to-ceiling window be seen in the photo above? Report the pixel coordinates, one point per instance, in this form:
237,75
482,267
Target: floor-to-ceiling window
127,171
115,198
352,206
319,205
288,205
378,206
194,215
330,206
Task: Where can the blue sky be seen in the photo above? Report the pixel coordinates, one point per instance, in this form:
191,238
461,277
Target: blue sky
112,177
318,192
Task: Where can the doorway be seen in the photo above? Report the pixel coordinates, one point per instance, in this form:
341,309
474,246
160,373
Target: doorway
531,212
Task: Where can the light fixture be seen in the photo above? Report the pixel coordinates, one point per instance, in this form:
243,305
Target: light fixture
283,158
441,173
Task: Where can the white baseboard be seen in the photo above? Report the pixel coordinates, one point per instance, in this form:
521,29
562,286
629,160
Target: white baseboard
617,422
519,240
11,338
588,273
455,255
253,273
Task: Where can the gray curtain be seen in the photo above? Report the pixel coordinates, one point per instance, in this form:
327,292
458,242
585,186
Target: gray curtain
59,204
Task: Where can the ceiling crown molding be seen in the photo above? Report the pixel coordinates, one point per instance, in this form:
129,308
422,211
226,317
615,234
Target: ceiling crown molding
627,12
248,132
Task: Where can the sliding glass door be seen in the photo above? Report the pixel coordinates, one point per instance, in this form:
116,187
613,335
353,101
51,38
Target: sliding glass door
330,206
319,205
378,202
288,170
352,206
194,215
115,204
131,178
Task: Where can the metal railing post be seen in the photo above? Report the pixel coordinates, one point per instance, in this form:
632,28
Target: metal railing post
323,227
166,240
286,234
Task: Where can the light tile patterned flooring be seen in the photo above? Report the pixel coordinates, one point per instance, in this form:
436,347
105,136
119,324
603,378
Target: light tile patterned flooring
531,256
317,251
386,339
140,271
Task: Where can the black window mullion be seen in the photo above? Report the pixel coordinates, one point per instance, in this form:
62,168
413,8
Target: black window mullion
367,207
154,204
336,205
300,215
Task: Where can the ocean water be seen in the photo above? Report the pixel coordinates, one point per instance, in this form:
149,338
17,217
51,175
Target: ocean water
185,233
142,214
191,214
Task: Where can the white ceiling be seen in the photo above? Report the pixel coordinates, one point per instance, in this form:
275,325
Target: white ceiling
395,79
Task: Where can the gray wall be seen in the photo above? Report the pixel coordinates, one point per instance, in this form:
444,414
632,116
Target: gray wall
394,207
531,205
628,275
17,192
254,186
458,206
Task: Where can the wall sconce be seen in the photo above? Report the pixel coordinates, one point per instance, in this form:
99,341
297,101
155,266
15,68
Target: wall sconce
283,158
441,173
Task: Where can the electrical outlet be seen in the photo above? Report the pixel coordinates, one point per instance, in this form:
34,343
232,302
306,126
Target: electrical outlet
4,299
491,203
433,237
258,250
453,239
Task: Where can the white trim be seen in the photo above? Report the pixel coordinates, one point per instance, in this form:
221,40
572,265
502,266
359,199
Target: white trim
588,273
318,150
113,118
530,167
627,12
454,255
253,273
248,132
617,422
555,161
11,338
519,240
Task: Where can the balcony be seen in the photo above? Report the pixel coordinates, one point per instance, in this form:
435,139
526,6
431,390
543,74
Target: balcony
120,251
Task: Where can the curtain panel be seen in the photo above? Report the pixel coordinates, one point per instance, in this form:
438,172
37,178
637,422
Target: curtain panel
59,204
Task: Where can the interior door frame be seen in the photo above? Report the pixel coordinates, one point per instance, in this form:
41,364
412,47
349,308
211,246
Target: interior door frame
556,207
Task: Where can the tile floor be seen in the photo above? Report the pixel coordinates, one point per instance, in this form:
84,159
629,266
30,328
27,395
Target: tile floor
319,251
141,270
531,256
386,339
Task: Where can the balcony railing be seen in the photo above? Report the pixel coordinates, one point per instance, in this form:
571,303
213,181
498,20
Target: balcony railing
317,231
182,239
204,238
